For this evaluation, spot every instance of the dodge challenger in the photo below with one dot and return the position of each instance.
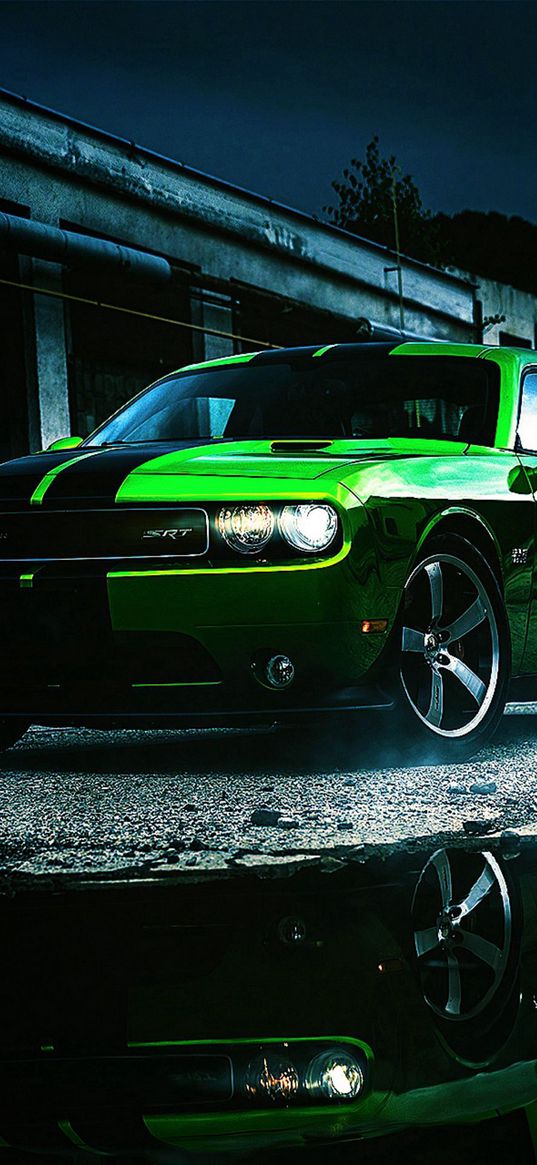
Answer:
(281, 535)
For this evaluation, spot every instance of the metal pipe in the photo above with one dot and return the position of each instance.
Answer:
(42, 241)
(369, 331)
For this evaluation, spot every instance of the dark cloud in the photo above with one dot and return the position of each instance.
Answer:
(278, 96)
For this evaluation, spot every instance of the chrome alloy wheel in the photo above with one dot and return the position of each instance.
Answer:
(450, 648)
(462, 940)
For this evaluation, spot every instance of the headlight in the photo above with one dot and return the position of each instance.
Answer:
(335, 1075)
(271, 1078)
(309, 527)
(246, 528)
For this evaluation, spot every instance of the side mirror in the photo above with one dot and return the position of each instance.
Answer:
(64, 443)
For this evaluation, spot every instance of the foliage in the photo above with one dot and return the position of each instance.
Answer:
(366, 206)
(489, 244)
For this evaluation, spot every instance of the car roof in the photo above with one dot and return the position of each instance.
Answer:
(334, 352)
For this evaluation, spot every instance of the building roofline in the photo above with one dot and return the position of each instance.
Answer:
(220, 183)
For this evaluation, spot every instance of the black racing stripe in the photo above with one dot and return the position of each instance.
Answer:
(19, 479)
(97, 478)
(341, 353)
(284, 355)
(337, 352)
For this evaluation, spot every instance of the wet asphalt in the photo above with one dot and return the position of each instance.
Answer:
(84, 805)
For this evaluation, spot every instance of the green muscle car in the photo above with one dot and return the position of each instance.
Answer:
(275, 535)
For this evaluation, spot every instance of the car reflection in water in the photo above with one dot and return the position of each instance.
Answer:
(346, 1001)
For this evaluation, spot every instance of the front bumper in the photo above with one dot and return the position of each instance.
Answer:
(191, 1094)
(188, 645)
(188, 1098)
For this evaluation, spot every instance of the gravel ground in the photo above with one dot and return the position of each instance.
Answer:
(80, 807)
(103, 804)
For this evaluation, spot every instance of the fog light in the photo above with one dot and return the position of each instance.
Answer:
(271, 1078)
(279, 671)
(292, 931)
(335, 1075)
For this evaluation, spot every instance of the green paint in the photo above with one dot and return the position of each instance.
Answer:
(246, 470)
(26, 580)
(221, 362)
(326, 348)
(40, 491)
(242, 1041)
(64, 443)
(68, 1131)
(244, 569)
(388, 494)
(177, 1128)
(391, 495)
(511, 364)
(438, 348)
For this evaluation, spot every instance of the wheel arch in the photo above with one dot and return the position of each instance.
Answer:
(465, 523)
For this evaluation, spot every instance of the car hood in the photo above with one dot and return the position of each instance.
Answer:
(144, 472)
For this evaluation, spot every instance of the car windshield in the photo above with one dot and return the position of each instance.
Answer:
(357, 396)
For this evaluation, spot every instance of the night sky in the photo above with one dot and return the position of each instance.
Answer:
(279, 96)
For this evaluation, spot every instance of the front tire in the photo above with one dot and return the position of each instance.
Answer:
(454, 652)
(466, 918)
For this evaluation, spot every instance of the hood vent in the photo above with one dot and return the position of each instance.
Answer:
(299, 446)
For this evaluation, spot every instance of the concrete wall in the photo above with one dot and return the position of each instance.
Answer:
(229, 240)
(98, 182)
(518, 307)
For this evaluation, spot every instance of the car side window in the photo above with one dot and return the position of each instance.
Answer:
(527, 423)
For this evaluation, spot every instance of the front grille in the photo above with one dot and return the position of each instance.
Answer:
(60, 636)
(46, 535)
(135, 1082)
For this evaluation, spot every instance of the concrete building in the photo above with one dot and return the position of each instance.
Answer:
(118, 264)
(509, 315)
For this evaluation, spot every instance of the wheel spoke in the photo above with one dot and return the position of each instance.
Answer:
(481, 887)
(436, 584)
(436, 634)
(441, 864)
(467, 677)
(426, 940)
(435, 710)
(480, 947)
(467, 622)
(453, 1005)
(413, 640)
